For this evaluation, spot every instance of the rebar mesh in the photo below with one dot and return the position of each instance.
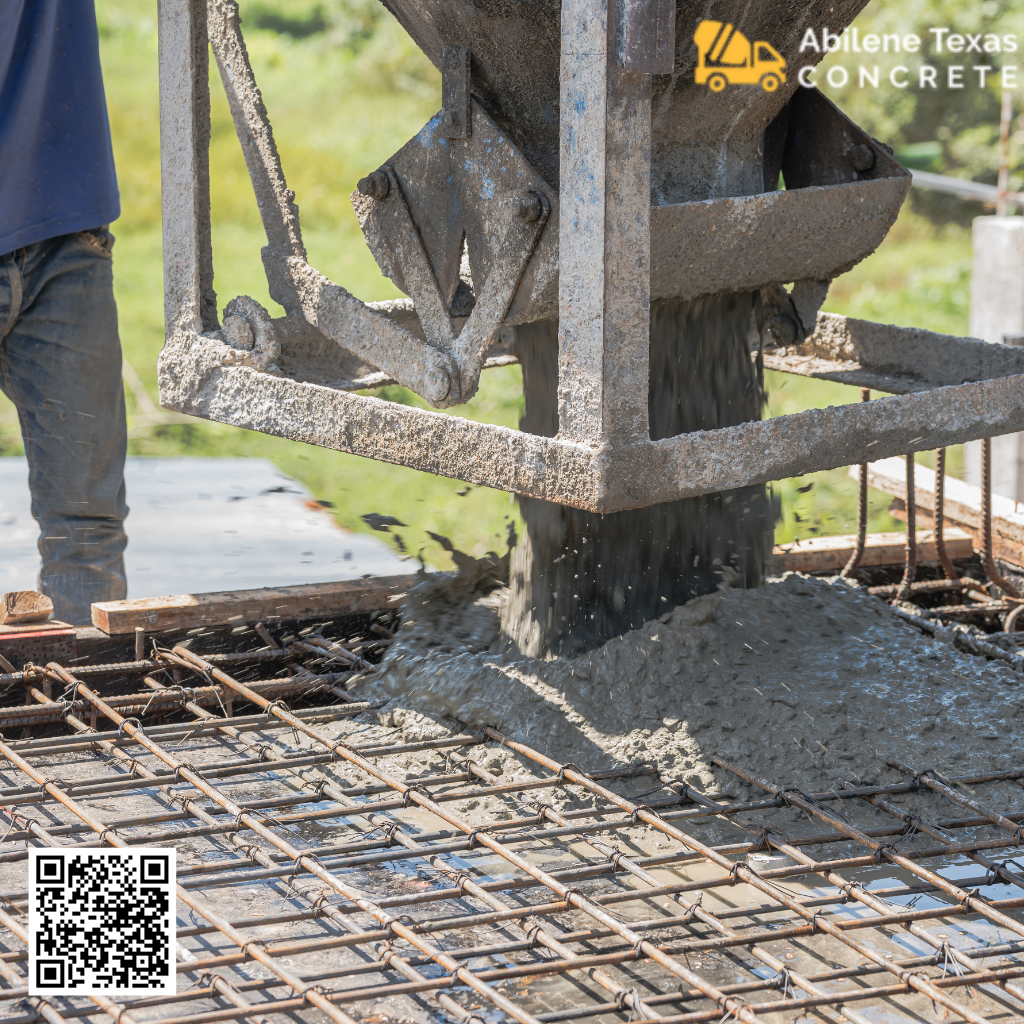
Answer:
(329, 866)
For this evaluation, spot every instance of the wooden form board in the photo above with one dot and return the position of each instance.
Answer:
(228, 607)
(822, 554)
(962, 505)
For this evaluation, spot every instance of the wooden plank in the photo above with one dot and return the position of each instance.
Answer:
(18, 607)
(962, 505)
(235, 607)
(823, 554)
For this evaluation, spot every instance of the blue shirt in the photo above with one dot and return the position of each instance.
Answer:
(56, 162)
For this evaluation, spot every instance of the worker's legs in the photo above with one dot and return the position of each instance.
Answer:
(60, 363)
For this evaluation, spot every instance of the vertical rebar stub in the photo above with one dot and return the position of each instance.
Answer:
(455, 106)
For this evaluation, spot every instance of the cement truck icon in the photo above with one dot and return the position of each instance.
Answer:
(727, 57)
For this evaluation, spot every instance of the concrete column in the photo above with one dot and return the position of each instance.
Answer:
(997, 316)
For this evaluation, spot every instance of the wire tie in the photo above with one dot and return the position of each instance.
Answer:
(880, 852)
(920, 775)
(615, 859)
(473, 836)
(814, 920)
(571, 892)
(276, 704)
(692, 908)
(629, 999)
(130, 721)
(783, 981)
(847, 888)
(319, 903)
(1018, 835)
(103, 834)
(308, 856)
(250, 850)
(405, 919)
(948, 960)
(738, 1001)
(407, 794)
(566, 767)
(972, 894)
(185, 766)
(634, 815)
(637, 951)
(153, 697)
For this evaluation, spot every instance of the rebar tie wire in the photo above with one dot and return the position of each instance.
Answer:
(784, 982)
(408, 792)
(184, 766)
(739, 1003)
(279, 703)
(949, 962)
(569, 766)
(694, 907)
(972, 894)
(134, 722)
(629, 999)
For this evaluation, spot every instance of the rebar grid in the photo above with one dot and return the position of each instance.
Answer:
(358, 872)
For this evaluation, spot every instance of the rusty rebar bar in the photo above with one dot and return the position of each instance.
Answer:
(573, 897)
(626, 874)
(988, 560)
(741, 871)
(910, 548)
(940, 501)
(862, 508)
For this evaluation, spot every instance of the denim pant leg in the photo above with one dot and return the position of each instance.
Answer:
(60, 364)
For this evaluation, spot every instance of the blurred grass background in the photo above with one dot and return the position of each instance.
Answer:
(345, 88)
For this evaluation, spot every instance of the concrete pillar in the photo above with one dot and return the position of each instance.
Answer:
(997, 316)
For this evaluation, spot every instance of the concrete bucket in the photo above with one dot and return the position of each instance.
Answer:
(605, 179)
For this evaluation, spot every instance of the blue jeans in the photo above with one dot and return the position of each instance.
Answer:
(60, 364)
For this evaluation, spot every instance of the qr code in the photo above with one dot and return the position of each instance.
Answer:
(101, 921)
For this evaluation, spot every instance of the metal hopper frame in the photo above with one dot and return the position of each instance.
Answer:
(594, 253)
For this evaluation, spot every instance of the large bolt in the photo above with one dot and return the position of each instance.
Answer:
(862, 157)
(530, 207)
(375, 185)
(436, 385)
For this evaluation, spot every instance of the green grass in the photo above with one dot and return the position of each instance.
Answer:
(339, 111)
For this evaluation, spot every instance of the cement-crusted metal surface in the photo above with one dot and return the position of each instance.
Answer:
(463, 190)
(898, 360)
(602, 460)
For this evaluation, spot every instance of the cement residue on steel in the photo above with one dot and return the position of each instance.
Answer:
(795, 680)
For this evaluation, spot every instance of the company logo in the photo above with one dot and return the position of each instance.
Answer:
(727, 57)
